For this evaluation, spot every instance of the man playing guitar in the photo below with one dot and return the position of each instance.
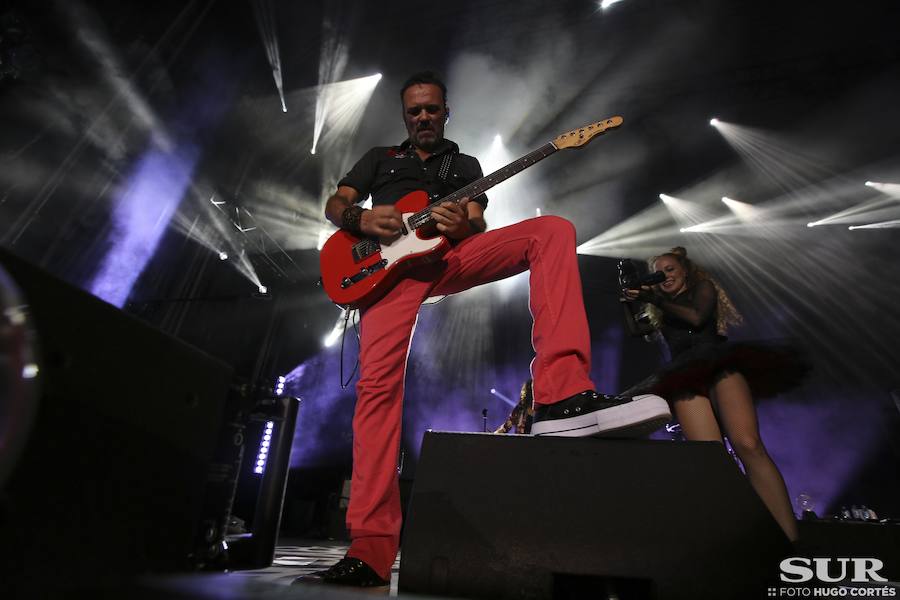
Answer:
(565, 401)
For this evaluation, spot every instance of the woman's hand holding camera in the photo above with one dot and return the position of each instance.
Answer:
(644, 294)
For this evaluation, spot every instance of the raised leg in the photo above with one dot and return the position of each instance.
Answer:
(560, 335)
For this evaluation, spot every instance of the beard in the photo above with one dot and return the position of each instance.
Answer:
(428, 141)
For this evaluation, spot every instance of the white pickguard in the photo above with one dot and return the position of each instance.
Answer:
(407, 245)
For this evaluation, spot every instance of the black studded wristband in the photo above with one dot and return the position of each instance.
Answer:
(350, 219)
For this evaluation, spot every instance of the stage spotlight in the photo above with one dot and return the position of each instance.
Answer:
(505, 399)
(265, 21)
(604, 4)
(513, 200)
(894, 224)
(263, 289)
(223, 256)
(891, 189)
(323, 237)
(345, 320)
(687, 214)
(714, 122)
(341, 104)
(331, 338)
(746, 213)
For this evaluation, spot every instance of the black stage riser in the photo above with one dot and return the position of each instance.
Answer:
(113, 476)
(525, 517)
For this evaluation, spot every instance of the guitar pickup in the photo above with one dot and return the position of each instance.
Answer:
(364, 249)
(363, 273)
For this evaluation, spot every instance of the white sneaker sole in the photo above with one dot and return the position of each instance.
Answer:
(642, 416)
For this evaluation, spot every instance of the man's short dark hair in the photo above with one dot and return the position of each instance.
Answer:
(423, 78)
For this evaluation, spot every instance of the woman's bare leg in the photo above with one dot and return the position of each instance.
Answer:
(738, 416)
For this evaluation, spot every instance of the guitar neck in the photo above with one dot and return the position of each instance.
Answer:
(476, 188)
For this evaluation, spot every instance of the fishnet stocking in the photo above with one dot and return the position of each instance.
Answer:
(738, 417)
(698, 422)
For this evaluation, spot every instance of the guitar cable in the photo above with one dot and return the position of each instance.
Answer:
(347, 314)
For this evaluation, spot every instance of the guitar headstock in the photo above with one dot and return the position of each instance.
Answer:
(581, 136)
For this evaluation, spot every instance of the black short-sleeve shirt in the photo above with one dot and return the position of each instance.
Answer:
(390, 172)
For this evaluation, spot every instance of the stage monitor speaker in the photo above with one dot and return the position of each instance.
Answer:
(833, 539)
(543, 517)
(262, 483)
(112, 476)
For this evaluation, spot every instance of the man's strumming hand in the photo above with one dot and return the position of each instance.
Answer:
(383, 222)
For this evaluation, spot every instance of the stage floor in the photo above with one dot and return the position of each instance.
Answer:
(294, 557)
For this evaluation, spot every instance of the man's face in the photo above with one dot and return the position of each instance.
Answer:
(425, 113)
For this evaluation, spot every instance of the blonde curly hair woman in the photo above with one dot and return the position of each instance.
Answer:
(710, 382)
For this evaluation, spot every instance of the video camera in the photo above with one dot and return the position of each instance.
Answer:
(633, 277)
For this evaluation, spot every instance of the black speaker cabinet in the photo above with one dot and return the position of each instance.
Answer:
(112, 475)
(832, 539)
(542, 517)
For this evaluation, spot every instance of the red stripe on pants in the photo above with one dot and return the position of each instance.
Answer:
(546, 247)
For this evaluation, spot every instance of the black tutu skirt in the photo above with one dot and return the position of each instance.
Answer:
(770, 368)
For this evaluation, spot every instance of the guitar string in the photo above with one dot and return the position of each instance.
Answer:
(423, 217)
(476, 188)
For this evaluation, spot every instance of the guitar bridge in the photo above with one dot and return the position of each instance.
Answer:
(364, 249)
(363, 273)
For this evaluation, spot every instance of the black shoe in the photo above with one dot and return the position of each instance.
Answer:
(590, 413)
(347, 571)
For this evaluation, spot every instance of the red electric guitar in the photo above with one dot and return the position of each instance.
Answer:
(358, 271)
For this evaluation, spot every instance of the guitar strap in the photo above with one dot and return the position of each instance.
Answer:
(443, 172)
(446, 163)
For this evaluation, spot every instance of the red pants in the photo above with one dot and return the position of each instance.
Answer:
(546, 246)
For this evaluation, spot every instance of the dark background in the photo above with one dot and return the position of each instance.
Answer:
(102, 101)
